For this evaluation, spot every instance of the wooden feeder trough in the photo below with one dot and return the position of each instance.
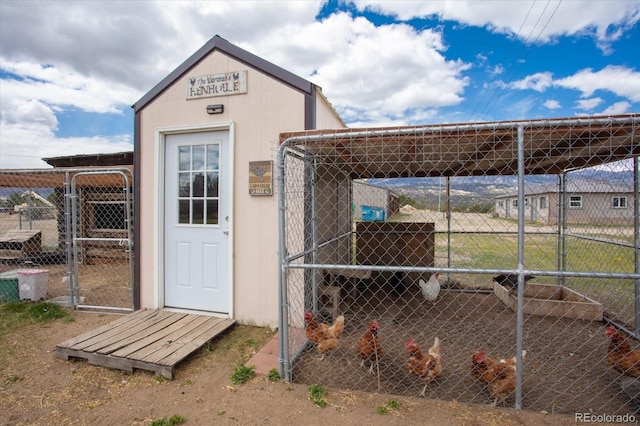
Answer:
(552, 300)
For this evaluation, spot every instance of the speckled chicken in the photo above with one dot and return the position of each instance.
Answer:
(427, 366)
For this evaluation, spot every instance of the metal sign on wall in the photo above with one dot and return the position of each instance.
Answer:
(260, 178)
(224, 84)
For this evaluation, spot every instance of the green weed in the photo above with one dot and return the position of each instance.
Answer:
(316, 395)
(172, 421)
(242, 373)
(391, 405)
(274, 375)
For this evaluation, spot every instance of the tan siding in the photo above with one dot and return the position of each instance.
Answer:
(326, 116)
(259, 116)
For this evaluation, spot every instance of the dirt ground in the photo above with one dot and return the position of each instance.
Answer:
(565, 367)
(39, 389)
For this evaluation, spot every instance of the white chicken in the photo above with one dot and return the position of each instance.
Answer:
(430, 289)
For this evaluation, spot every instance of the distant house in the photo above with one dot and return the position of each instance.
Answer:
(587, 202)
(370, 202)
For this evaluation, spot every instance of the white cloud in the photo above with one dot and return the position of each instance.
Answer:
(622, 81)
(538, 82)
(617, 108)
(64, 87)
(551, 104)
(588, 104)
(377, 71)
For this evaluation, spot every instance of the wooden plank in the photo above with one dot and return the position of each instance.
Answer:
(99, 340)
(185, 339)
(109, 361)
(98, 331)
(136, 334)
(189, 347)
(154, 340)
(156, 352)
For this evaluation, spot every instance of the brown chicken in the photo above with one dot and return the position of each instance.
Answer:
(368, 347)
(425, 366)
(324, 336)
(499, 376)
(620, 355)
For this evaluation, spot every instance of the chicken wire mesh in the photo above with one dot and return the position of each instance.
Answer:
(369, 217)
(74, 227)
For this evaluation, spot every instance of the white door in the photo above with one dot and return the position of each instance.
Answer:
(196, 229)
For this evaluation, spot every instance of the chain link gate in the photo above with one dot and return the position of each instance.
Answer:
(81, 224)
(359, 231)
(102, 240)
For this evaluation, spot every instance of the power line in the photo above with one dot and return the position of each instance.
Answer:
(497, 94)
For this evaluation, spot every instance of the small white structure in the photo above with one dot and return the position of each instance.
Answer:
(205, 142)
(370, 196)
(586, 201)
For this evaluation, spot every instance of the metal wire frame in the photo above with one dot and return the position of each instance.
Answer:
(296, 146)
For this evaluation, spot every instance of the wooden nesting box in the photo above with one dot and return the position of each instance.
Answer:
(552, 300)
(396, 243)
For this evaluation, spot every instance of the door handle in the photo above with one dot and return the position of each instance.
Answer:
(225, 232)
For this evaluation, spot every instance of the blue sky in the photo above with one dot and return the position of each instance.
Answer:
(70, 70)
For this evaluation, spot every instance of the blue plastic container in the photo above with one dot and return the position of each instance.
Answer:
(372, 213)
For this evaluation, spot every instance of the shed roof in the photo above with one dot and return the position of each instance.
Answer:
(92, 160)
(222, 45)
(56, 177)
(551, 146)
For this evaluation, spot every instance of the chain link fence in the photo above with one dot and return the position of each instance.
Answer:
(369, 215)
(73, 230)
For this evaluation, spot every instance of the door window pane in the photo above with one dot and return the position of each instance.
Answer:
(198, 184)
(198, 212)
(198, 157)
(184, 186)
(212, 185)
(213, 157)
(184, 158)
(183, 211)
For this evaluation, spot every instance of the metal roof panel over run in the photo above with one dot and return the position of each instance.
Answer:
(551, 146)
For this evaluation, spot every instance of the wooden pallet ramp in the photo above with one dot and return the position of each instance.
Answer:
(150, 339)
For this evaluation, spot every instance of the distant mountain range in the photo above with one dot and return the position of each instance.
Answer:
(472, 190)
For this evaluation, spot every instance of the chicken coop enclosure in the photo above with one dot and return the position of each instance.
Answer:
(85, 239)
(582, 269)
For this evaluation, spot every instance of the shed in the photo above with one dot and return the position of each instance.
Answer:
(205, 140)
(368, 197)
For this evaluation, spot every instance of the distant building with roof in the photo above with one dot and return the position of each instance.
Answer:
(587, 202)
